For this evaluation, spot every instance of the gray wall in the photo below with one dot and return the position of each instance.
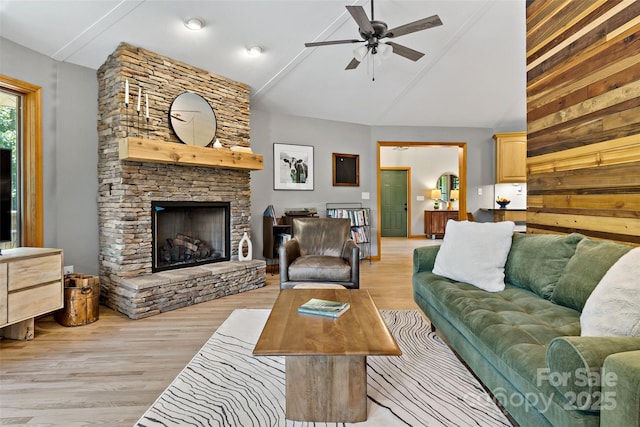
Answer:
(70, 156)
(69, 150)
(328, 137)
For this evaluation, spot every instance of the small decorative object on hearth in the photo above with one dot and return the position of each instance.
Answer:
(503, 202)
(241, 248)
(217, 144)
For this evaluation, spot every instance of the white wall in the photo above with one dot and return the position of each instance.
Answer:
(69, 150)
(480, 154)
(426, 164)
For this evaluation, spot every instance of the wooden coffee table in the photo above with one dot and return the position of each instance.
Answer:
(326, 358)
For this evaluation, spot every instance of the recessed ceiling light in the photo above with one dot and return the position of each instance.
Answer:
(254, 51)
(194, 23)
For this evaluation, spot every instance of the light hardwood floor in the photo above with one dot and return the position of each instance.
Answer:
(109, 372)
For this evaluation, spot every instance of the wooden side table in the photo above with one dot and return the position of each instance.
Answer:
(435, 222)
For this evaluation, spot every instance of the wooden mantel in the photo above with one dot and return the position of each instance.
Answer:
(147, 150)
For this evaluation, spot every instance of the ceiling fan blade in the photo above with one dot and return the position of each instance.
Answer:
(412, 27)
(326, 43)
(408, 53)
(360, 16)
(353, 64)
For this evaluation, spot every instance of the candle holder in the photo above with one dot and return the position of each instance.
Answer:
(138, 133)
(126, 118)
(148, 128)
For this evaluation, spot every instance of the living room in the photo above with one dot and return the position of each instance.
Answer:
(70, 156)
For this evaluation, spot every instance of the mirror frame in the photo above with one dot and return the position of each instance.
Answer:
(447, 182)
(196, 111)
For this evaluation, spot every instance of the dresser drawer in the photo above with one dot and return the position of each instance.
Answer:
(34, 271)
(34, 301)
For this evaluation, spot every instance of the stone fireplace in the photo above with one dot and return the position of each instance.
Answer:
(208, 201)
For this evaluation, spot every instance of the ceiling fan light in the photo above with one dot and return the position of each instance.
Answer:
(360, 52)
(385, 50)
(194, 24)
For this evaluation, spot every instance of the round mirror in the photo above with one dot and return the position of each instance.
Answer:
(446, 183)
(192, 119)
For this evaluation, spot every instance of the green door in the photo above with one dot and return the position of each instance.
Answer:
(393, 203)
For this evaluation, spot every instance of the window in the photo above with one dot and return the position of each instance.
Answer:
(29, 228)
(10, 138)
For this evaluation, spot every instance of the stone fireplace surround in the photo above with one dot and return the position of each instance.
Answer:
(127, 188)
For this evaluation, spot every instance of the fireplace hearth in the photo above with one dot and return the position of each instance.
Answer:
(186, 234)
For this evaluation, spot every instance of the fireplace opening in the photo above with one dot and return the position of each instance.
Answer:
(185, 234)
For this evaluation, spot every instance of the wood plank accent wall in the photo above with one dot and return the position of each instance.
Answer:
(583, 118)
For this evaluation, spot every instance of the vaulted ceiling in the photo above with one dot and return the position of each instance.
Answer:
(472, 75)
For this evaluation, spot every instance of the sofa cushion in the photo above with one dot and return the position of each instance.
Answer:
(475, 253)
(613, 308)
(584, 270)
(511, 328)
(320, 268)
(536, 262)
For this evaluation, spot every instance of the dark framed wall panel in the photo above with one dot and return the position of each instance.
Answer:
(346, 170)
(583, 119)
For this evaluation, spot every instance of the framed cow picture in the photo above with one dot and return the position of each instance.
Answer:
(292, 167)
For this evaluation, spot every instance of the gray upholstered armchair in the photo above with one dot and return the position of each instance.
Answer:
(320, 251)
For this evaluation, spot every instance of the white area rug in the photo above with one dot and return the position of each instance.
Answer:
(225, 385)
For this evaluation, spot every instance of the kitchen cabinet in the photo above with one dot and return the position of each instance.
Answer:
(511, 157)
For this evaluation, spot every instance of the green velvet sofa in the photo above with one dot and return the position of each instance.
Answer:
(524, 343)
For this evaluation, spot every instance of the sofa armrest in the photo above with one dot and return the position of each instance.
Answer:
(574, 367)
(351, 253)
(349, 250)
(287, 252)
(424, 258)
(625, 393)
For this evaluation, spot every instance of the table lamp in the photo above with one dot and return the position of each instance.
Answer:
(436, 195)
(454, 195)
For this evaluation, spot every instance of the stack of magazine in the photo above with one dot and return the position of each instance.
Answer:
(324, 307)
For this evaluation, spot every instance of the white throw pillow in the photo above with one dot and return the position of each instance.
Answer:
(613, 308)
(475, 253)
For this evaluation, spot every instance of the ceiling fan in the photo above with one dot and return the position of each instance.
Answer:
(372, 32)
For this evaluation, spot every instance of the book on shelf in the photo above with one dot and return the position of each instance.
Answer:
(359, 235)
(324, 307)
(359, 216)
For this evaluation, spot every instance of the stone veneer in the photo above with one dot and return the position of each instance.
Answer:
(127, 188)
